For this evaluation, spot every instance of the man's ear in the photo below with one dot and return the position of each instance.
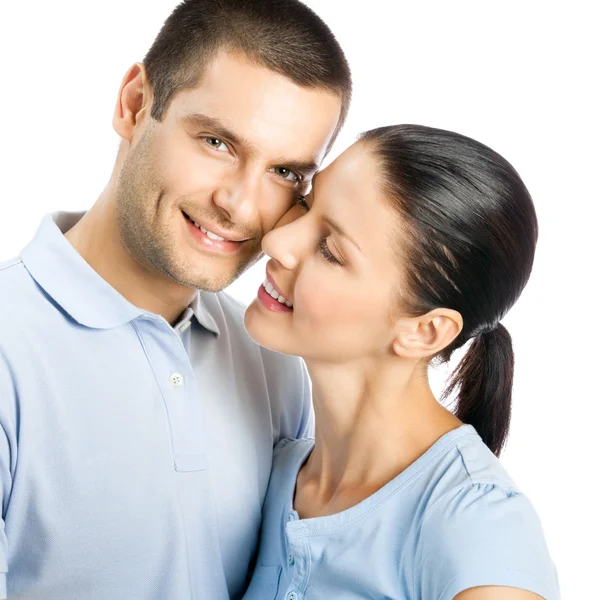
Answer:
(426, 335)
(133, 103)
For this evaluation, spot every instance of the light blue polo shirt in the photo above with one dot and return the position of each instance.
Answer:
(134, 456)
(451, 521)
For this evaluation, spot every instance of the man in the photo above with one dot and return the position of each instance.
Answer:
(137, 418)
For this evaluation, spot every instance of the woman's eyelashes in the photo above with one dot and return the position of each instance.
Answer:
(326, 252)
(323, 247)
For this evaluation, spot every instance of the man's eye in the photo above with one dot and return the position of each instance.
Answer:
(216, 143)
(286, 174)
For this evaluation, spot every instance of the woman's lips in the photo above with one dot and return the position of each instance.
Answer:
(271, 303)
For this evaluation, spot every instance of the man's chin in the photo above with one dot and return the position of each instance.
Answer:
(208, 282)
(209, 274)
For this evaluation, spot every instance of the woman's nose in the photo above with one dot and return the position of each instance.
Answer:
(283, 242)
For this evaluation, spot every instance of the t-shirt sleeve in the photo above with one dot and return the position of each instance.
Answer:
(481, 535)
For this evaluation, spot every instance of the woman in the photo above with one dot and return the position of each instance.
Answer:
(412, 243)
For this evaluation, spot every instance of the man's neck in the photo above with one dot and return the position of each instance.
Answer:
(96, 238)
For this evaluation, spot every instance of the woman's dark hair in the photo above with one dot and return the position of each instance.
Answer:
(470, 232)
(284, 36)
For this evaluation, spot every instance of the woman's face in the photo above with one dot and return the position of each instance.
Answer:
(336, 264)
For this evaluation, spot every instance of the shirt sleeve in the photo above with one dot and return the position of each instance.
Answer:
(290, 398)
(6, 398)
(482, 535)
(307, 422)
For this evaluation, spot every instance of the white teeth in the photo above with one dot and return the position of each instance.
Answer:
(275, 294)
(210, 234)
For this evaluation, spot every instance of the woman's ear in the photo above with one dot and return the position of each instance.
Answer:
(426, 335)
(133, 103)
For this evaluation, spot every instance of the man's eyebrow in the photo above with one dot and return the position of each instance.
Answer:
(218, 129)
(336, 227)
(305, 168)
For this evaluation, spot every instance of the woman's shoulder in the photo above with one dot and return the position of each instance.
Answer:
(476, 492)
(458, 462)
(480, 529)
(482, 466)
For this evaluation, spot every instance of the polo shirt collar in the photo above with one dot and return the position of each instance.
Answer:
(202, 314)
(74, 285)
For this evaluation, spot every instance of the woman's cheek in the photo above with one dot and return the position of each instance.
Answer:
(321, 304)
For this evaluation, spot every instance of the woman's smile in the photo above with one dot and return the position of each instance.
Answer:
(272, 299)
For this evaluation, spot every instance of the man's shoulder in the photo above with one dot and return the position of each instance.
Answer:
(228, 313)
(11, 262)
(284, 378)
(232, 308)
(10, 269)
(15, 304)
(16, 288)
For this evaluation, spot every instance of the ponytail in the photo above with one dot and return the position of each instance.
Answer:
(484, 379)
(467, 243)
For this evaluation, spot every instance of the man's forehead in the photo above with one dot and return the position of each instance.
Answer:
(263, 107)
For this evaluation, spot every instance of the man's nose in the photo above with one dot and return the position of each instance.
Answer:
(238, 197)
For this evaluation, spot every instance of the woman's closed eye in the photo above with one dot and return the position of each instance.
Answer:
(327, 254)
(323, 247)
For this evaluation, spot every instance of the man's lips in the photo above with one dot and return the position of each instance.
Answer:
(226, 236)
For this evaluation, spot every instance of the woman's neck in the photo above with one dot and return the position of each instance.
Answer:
(372, 421)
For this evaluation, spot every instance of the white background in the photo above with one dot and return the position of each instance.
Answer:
(519, 76)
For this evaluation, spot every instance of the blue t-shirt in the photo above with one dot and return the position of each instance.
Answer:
(451, 521)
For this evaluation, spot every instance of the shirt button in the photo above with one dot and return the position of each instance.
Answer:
(292, 596)
(291, 559)
(176, 379)
(184, 326)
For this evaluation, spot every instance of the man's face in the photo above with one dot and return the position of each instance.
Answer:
(228, 158)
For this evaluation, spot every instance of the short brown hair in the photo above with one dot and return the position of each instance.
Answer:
(284, 36)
